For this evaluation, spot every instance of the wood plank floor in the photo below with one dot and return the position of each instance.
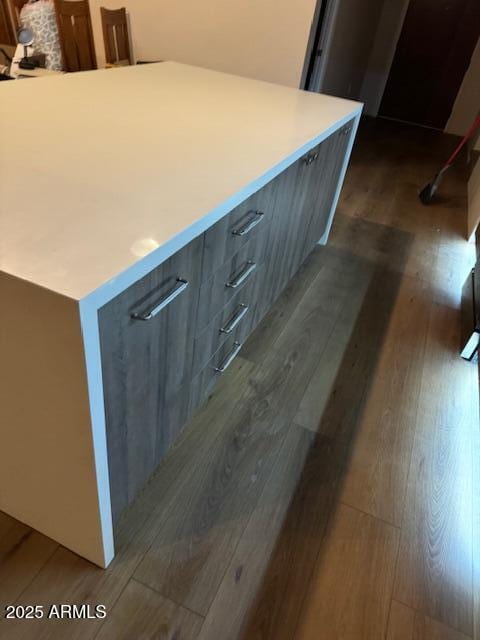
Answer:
(330, 487)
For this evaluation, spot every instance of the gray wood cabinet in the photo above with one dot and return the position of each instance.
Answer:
(304, 196)
(320, 192)
(231, 233)
(167, 339)
(147, 338)
(230, 278)
(239, 315)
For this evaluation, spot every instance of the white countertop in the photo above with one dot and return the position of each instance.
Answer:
(100, 169)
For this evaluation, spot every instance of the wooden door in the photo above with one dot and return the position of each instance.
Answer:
(432, 56)
(6, 29)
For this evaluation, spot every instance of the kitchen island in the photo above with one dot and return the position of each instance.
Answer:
(149, 218)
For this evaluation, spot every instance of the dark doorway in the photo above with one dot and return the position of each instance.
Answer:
(313, 60)
(433, 53)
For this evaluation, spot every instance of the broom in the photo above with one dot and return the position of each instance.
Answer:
(428, 192)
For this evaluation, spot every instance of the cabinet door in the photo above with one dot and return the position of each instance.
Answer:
(295, 195)
(147, 340)
(304, 195)
(287, 219)
(325, 174)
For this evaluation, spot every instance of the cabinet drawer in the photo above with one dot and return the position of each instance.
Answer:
(240, 226)
(205, 381)
(230, 278)
(238, 317)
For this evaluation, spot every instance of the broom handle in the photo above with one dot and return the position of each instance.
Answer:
(467, 137)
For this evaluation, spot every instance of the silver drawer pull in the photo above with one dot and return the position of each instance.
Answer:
(242, 276)
(251, 224)
(164, 302)
(311, 158)
(229, 359)
(235, 320)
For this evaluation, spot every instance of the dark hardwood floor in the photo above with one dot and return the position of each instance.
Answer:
(330, 488)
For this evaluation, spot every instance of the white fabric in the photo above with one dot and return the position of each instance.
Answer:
(41, 19)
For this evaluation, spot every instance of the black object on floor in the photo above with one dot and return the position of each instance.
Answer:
(471, 316)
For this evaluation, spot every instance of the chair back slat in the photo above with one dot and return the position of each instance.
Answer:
(115, 35)
(16, 6)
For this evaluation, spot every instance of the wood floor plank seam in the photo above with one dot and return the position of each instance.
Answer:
(404, 502)
(310, 580)
(393, 582)
(303, 599)
(310, 615)
(113, 605)
(371, 515)
(331, 333)
(248, 520)
(423, 613)
(177, 604)
(410, 455)
(415, 417)
(246, 403)
(392, 586)
(305, 295)
(439, 438)
(326, 530)
(143, 613)
(287, 626)
(29, 583)
(426, 612)
(244, 564)
(154, 538)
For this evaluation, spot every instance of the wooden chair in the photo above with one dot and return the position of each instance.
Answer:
(6, 23)
(76, 35)
(15, 8)
(115, 36)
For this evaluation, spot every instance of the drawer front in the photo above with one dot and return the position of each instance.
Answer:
(236, 229)
(229, 279)
(147, 339)
(238, 317)
(206, 380)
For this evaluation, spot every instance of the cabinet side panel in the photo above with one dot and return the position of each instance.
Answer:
(47, 468)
